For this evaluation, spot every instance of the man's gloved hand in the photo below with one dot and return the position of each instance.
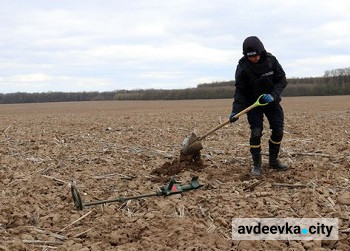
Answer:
(232, 117)
(267, 98)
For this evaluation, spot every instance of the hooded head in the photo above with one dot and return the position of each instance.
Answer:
(253, 46)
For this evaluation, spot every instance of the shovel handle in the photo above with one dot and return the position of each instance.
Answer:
(257, 103)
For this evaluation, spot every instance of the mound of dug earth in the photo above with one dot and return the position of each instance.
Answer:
(175, 167)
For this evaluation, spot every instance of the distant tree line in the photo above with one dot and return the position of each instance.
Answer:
(24, 97)
(333, 82)
(202, 92)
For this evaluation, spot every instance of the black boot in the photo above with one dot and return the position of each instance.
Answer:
(273, 160)
(256, 154)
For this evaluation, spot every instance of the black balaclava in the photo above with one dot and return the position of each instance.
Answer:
(253, 46)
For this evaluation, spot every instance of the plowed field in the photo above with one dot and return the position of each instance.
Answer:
(113, 149)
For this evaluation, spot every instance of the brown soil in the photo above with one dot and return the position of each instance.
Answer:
(175, 167)
(113, 149)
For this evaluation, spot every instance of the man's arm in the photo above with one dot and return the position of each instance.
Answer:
(279, 82)
(240, 100)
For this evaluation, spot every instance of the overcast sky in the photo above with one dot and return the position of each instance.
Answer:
(106, 45)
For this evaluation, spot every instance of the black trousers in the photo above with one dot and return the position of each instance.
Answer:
(275, 116)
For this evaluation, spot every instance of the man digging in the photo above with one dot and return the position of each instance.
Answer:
(259, 72)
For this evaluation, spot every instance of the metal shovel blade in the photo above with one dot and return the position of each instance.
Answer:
(191, 145)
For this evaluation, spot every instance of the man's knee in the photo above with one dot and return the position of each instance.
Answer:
(255, 136)
(277, 135)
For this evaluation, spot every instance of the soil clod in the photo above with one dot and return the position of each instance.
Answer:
(176, 166)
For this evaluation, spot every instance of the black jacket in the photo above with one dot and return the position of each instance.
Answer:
(252, 80)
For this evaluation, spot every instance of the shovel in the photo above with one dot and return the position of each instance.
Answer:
(192, 144)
